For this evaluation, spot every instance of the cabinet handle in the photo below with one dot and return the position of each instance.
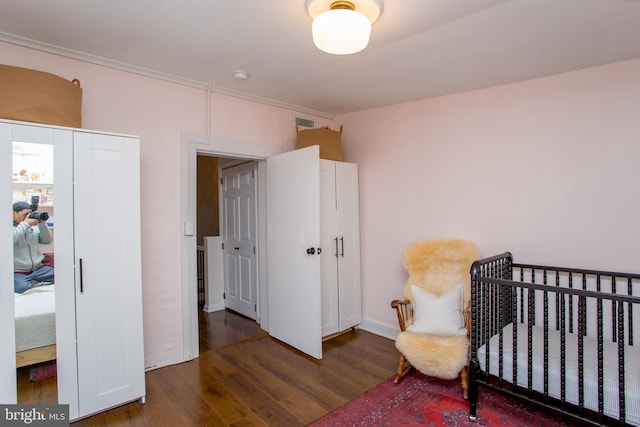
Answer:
(342, 243)
(312, 251)
(80, 273)
(336, 240)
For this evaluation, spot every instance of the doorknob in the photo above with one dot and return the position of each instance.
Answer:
(312, 251)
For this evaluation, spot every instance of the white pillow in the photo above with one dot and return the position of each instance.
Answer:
(437, 315)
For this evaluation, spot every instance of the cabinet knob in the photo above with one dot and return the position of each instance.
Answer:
(312, 251)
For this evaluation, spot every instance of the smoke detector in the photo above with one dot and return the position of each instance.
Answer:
(240, 75)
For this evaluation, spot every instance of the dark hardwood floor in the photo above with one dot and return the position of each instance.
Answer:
(243, 377)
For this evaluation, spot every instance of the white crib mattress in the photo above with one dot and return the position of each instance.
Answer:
(35, 318)
(611, 403)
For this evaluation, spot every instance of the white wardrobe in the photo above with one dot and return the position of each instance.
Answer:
(340, 255)
(98, 286)
(313, 248)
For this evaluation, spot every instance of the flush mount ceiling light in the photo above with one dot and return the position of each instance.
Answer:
(342, 27)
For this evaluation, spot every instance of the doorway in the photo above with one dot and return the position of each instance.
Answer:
(226, 231)
(192, 146)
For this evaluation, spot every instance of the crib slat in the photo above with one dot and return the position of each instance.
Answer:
(621, 365)
(614, 323)
(581, 333)
(557, 300)
(563, 348)
(531, 308)
(500, 347)
(489, 327)
(514, 353)
(546, 338)
(600, 329)
(571, 304)
(630, 309)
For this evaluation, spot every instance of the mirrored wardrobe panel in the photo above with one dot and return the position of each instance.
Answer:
(36, 253)
(35, 317)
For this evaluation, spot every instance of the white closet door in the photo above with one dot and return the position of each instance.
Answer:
(108, 289)
(329, 256)
(62, 140)
(350, 294)
(293, 227)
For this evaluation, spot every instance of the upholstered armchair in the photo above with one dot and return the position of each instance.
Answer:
(434, 317)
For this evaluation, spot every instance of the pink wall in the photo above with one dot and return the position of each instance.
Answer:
(158, 111)
(548, 169)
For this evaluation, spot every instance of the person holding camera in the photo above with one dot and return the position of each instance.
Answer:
(29, 230)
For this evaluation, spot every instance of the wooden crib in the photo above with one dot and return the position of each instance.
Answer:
(561, 338)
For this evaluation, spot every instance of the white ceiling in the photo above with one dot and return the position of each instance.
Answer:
(418, 48)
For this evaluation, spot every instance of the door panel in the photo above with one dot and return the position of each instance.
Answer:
(62, 141)
(239, 234)
(329, 256)
(108, 292)
(348, 228)
(293, 227)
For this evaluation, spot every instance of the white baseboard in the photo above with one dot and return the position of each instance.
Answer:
(212, 308)
(164, 364)
(384, 330)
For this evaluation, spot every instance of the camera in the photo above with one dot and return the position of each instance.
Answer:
(40, 216)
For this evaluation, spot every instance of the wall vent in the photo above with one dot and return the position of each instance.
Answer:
(304, 123)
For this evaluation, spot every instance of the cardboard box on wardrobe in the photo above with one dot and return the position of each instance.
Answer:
(330, 141)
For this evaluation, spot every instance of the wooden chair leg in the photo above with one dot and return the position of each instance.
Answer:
(403, 369)
(465, 383)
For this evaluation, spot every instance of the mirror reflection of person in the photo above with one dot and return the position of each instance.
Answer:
(28, 233)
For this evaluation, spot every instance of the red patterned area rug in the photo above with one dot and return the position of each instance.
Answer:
(420, 400)
(43, 371)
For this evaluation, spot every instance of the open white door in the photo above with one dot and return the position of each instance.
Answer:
(293, 238)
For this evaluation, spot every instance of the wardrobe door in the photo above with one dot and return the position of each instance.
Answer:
(108, 287)
(21, 139)
(329, 244)
(7, 323)
(348, 232)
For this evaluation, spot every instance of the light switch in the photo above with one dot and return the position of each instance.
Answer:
(188, 229)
